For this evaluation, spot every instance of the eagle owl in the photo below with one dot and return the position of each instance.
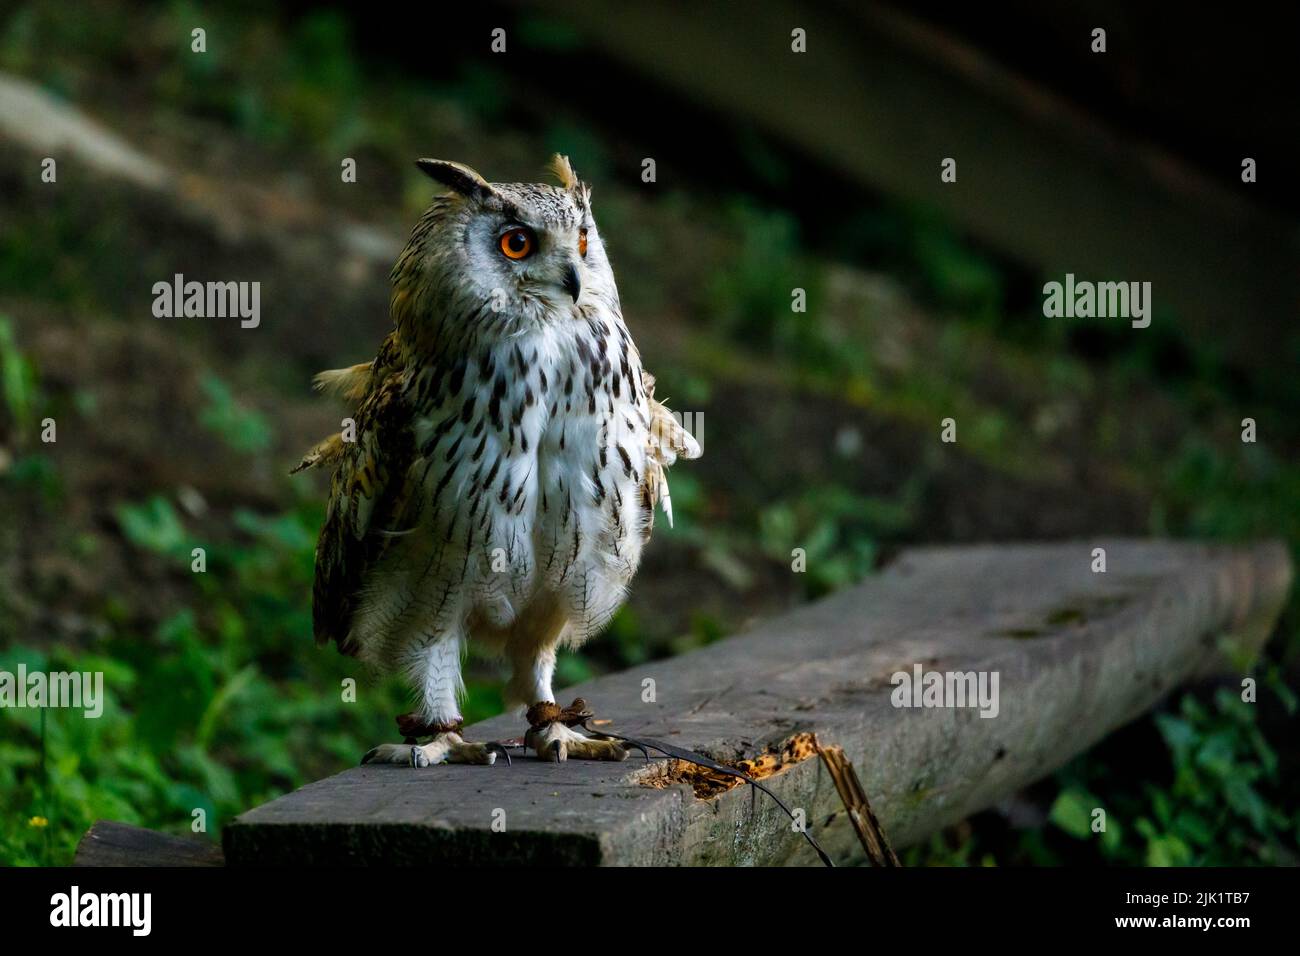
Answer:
(507, 457)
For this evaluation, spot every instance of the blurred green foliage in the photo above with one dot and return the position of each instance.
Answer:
(837, 530)
(241, 429)
(220, 708)
(17, 378)
(750, 299)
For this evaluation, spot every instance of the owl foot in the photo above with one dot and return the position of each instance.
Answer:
(552, 735)
(557, 742)
(443, 748)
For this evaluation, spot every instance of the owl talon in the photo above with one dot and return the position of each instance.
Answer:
(625, 742)
(641, 747)
(499, 748)
(555, 741)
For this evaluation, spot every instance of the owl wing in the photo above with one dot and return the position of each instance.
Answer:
(352, 384)
(667, 441)
(368, 496)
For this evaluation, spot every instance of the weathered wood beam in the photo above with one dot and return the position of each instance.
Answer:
(881, 99)
(109, 843)
(1077, 654)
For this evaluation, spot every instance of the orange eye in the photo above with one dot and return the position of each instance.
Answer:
(518, 243)
(582, 243)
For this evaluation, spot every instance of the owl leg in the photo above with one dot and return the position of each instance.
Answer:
(532, 670)
(435, 671)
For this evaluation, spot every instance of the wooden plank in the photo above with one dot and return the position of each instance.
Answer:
(108, 843)
(1077, 653)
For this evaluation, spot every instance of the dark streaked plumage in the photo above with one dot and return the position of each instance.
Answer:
(509, 452)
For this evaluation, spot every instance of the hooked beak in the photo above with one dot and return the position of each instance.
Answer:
(571, 283)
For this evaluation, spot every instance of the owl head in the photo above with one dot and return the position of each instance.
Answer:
(491, 259)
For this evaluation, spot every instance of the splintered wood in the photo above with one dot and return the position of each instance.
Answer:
(709, 783)
(865, 825)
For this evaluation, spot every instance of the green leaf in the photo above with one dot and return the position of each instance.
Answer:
(154, 526)
(1168, 850)
(1243, 799)
(1072, 812)
(241, 429)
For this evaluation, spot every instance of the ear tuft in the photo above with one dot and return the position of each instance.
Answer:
(564, 171)
(455, 176)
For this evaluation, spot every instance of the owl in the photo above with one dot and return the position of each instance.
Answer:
(507, 458)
